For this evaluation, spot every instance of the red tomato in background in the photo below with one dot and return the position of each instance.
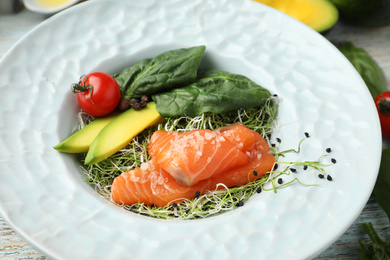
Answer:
(382, 102)
(98, 93)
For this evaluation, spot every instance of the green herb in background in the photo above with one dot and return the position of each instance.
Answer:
(364, 13)
(367, 67)
(378, 249)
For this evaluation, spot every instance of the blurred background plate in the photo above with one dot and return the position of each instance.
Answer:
(48, 6)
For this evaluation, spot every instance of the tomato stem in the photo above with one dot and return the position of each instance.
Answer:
(384, 106)
(82, 87)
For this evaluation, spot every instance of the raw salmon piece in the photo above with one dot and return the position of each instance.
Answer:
(151, 184)
(195, 155)
(254, 145)
(241, 136)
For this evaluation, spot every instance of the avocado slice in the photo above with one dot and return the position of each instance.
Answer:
(80, 141)
(120, 131)
(320, 15)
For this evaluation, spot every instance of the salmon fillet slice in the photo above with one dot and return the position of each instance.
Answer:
(151, 184)
(195, 155)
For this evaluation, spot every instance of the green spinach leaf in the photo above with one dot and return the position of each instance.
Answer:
(367, 67)
(165, 71)
(215, 91)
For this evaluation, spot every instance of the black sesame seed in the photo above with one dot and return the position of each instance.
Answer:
(329, 178)
(273, 145)
(333, 160)
(274, 95)
(278, 140)
(240, 203)
(197, 194)
(307, 134)
(258, 190)
(174, 205)
(280, 180)
(328, 150)
(255, 173)
(305, 167)
(321, 176)
(275, 166)
(293, 169)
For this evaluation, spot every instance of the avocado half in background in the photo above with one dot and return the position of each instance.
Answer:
(364, 13)
(320, 15)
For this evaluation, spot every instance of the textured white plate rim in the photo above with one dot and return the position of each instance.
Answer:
(377, 162)
(47, 250)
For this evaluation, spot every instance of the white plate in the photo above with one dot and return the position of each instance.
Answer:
(42, 194)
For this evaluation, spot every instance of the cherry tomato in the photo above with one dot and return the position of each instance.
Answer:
(98, 93)
(382, 102)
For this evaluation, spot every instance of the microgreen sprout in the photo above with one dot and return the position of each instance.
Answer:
(275, 175)
(223, 199)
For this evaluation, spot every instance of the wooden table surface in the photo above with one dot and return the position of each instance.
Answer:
(375, 41)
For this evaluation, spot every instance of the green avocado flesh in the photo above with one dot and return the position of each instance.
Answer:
(320, 15)
(120, 131)
(80, 141)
